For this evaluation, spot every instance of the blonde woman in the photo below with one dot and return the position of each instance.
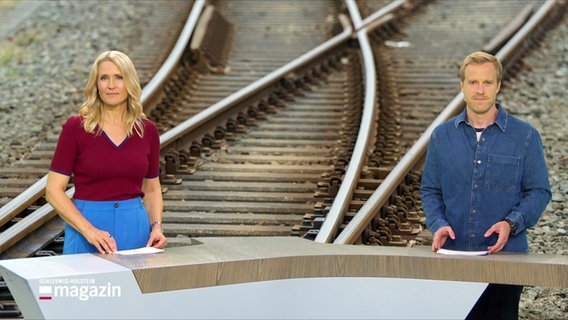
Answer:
(112, 151)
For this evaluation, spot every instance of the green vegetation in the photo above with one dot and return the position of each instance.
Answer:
(10, 52)
(8, 4)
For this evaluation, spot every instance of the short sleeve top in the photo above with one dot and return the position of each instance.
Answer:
(103, 171)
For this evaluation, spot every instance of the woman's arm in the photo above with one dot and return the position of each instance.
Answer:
(55, 195)
(154, 205)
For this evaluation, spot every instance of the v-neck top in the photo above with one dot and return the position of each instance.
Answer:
(102, 170)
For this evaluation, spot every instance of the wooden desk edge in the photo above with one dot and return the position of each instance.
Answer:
(224, 261)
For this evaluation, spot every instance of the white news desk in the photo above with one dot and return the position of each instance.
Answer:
(269, 278)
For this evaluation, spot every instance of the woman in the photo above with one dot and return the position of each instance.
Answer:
(113, 153)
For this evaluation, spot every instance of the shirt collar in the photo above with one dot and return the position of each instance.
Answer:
(500, 121)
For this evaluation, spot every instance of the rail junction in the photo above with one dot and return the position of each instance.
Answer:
(317, 136)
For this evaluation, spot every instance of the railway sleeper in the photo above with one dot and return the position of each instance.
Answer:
(9, 310)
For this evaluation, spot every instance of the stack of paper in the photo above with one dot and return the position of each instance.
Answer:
(461, 253)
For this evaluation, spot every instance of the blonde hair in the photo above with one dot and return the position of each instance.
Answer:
(92, 109)
(480, 57)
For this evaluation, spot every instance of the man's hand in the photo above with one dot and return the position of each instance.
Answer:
(503, 229)
(441, 236)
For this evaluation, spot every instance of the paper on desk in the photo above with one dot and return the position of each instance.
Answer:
(461, 253)
(139, 251)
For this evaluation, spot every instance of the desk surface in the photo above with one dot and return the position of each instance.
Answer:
(223, 261)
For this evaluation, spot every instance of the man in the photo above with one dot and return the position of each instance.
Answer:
(485, 180)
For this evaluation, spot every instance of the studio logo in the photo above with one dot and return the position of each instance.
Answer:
(76, 288)
(45, 292)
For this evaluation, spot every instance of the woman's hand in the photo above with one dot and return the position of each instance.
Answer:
(157, 238)
(102, 240)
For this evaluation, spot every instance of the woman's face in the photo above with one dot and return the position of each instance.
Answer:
(110, 84)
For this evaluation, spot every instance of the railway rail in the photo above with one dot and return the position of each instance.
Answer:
(311, 122)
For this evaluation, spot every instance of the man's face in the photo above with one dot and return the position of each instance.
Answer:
(480, 87)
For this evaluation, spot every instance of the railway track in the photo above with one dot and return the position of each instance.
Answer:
(276, 156)
(241, 188)
(277, 176)
(278, 162)
(419, 76)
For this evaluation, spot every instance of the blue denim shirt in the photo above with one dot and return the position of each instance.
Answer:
(471, 185)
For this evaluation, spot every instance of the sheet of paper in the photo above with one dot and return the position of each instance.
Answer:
(461, 253)
(139, 251)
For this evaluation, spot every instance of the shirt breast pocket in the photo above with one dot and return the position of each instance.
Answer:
(503, 172)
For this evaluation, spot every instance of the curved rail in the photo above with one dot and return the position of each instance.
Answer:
(16, 232)
(188, 129)
(508, 55)
(366, 132)
(155, 86)
(191, 129)
(202, 119)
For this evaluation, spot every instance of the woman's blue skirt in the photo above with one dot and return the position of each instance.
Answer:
(126, 220)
